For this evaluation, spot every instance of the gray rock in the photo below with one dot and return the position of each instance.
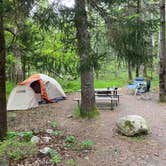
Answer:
(85, 151)
(45, 150)
(46, 139)
(49, 131)
(131, 125)
(35, 139)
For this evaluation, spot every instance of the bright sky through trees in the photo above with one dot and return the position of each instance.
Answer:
(66, 3)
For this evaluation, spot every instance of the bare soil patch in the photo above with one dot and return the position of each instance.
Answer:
(110, 148)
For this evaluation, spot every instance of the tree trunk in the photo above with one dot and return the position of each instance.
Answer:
(18, 65)
(137, 71)
(24, 68)
(3, 112)
(162, 75)
(97, 74)
(83, 39)
(129, 71)
(144, 71)
(138, 12)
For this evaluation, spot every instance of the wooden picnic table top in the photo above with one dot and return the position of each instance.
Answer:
(106, 90)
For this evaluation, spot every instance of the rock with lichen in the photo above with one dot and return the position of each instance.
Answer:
(132, 125)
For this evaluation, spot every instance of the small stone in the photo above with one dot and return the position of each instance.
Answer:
(46, 139)
(156, 154)
(45, 150)
(87, 158)
(35, 139)
(85, 151)
(36, 131)
(49, 131)
(69, 116)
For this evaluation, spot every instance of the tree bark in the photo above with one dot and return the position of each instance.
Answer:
(3, 112)
(138, 12)
(137, 70)
(83, 41)
(144, 71)
(18, 64)
(129, 71)
(162, 75)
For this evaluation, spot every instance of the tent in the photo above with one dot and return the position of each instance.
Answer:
(35, 90)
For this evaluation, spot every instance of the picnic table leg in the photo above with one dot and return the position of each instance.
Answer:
(112, 105)
(78, 102)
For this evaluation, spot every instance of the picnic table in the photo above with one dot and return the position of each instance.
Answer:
(105, 95)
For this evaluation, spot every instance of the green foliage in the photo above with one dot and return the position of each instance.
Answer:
(26, 136)
(9, 87)
(70, 86)
(53, 124)
(71, 139)
(71, 162)
(57, 132)
(87, 144)
(16, 149)
(55, 156)
(88, 114)
(77, 112)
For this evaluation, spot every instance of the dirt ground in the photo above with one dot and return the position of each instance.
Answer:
(110, 148)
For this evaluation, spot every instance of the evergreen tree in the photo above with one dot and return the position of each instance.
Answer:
(3, 112)
(162, 75)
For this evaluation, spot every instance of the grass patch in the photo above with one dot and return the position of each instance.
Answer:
(106, 79)
(78, 113)
(16, 150)
(55, 156)
(86, 144)
(9, 87)
(70, 86)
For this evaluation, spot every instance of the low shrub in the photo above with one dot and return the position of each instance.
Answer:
(53, 124)
(71, 162)
(26, 135)
(55, 156)
(16, 150)
(57, 133)
(86, 144)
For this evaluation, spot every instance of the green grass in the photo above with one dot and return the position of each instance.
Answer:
(107, 80)
(113, 81)
(9, 87)
(70, 86)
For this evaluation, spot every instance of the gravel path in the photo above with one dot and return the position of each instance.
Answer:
(110, 149)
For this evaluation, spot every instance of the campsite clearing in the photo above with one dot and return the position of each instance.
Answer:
(110, 149)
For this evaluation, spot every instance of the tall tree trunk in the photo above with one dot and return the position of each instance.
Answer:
(162, 75)
(83, 39)
(137, 70)
(18, 65)
(24, 68)
(138, 12)
(97, 74)
(3, 112)
(144, 71)
(129, 71)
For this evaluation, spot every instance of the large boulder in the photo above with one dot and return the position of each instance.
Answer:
(132, 125)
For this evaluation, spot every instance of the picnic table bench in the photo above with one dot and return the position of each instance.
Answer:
(108, 95)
